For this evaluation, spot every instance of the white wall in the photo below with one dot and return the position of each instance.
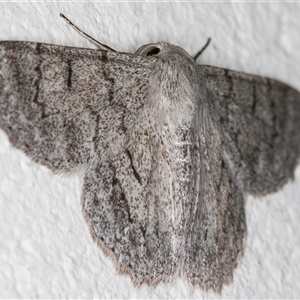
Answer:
(46, 250)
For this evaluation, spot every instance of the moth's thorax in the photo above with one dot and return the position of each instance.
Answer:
(174, 86)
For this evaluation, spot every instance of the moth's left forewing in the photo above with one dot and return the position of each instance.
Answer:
(66, 106)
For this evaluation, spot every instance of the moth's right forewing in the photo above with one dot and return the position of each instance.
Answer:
(216, 226)
(258, 120)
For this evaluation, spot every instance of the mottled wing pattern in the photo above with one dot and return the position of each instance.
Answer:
(69, 107)
(128, 205)
(217, 227)
(258, 120)
(166, 160)
(66, 106)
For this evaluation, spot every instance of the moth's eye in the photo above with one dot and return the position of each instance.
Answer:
(153, 51)
(148, 50)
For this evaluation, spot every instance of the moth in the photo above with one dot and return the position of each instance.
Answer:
(169, 149)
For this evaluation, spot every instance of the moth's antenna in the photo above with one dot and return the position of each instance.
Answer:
(203, 48)
(101, 46)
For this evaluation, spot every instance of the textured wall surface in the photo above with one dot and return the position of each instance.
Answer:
(46, 250)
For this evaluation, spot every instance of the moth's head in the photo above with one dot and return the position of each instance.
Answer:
(164, 51)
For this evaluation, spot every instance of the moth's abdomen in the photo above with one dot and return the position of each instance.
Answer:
(182, 181)
(182, 147)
